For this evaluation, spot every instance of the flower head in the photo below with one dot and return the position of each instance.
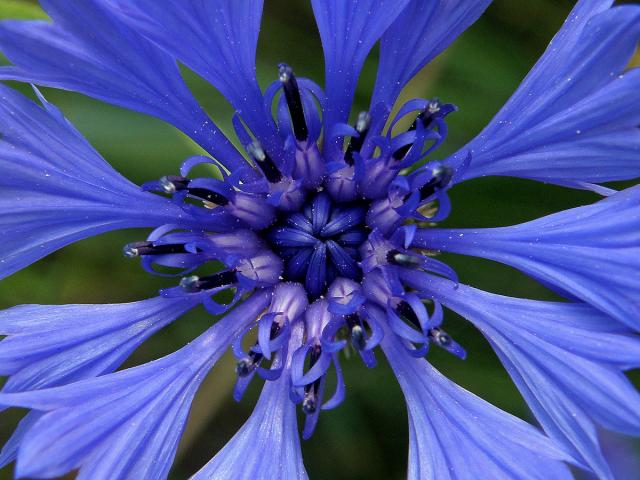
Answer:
(323, 232)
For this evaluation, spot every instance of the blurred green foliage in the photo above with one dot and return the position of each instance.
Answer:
(366, 438)
(21, 9)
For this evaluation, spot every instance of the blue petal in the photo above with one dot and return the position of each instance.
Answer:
(574, 119)
(89, 50)
(51, 345)
(591, 253)
(57, 189)
(218, 40)
(10, 449)
(566, 360)
(125, 424)
(343, 220)
(316, 279)
(349, 29)
(421, 32)
(292, 237)
(345, 265)
(456, 435)
(267, 446)
(320, 211)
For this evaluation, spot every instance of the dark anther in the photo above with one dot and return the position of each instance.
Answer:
(208, 196)
(309, 404)
(404, 310)
(357, 337)
(426, 117)
(248, 364)
(441, 178)
(136, 249)
(275, 329)
(197, 284)
(403, 259)
(294, 101)
(265, 163)
(171, 184)
(244, 367)
(357, 332)
(440, 337)
(315, 355)
(355, 144)
(400, 153)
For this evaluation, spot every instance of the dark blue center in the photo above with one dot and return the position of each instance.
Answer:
(321, 242)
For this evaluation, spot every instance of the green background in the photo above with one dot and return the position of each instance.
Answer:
(366, 438)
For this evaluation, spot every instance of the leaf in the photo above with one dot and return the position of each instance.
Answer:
(21, 9)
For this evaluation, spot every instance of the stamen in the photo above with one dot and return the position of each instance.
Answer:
(445, 341)
(194, 283)
(440, 337)
(441, 178)
(355, 144)
(274, 330)
(171, 184)
(309, 403)
(294, 102)
(136, 249)
(265, 163)
(404, 310)
(426, 118)
(357, 332)
(404, 260)
(434, 105)
(248, 364)
(400, 153)
(208, 196)
(190, 284)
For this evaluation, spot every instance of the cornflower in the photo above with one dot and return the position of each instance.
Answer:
(324, 229)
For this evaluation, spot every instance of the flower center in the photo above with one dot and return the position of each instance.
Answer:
(320, 243)
(325, 220)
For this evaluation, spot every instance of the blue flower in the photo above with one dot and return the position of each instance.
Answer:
(324, 227)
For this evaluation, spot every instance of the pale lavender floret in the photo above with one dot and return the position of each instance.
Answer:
(308, 387)
(288, 304)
